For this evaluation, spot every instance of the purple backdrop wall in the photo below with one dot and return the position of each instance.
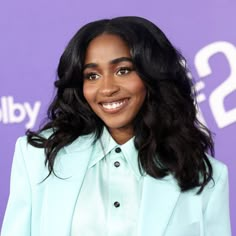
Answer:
(34, 34)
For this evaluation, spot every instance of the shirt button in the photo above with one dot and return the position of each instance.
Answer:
(116, 204)
(118, 150)
(116, 163)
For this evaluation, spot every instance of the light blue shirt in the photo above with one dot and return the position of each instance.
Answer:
(109, 199)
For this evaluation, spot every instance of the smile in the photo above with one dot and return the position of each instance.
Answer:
(114, 106)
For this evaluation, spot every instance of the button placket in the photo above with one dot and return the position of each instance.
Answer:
(117, 164)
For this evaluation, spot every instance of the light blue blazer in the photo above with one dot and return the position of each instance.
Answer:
(46, 208)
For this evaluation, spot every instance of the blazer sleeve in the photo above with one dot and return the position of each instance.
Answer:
(17, 219)
(217, 217)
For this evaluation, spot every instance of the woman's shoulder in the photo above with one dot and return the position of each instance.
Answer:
(218, 185)
(82, 141)
(33, 158)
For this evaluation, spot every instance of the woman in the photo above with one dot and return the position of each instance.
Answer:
(122, 152)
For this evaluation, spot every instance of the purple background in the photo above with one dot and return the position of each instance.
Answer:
(34, 34)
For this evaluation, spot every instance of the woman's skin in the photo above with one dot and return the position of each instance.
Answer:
(112, 87)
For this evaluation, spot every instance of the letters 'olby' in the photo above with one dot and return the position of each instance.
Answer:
(11, 112)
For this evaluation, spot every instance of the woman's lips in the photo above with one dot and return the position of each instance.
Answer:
(114, 106)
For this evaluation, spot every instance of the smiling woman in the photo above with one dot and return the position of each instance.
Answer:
(122, 152)
(112, 87)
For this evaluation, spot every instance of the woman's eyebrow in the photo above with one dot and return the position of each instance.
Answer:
(120, 59)
(114, 61)
(90, 65)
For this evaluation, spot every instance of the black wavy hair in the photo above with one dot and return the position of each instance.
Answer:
(168, 136)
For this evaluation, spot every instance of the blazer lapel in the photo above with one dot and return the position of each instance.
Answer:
(61, 193)
(158, 202)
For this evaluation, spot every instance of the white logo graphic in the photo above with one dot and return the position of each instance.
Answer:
(11, 112)
(216, 99)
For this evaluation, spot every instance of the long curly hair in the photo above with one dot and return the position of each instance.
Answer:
(168, 136)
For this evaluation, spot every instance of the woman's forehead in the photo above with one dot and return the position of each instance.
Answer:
(105, 48)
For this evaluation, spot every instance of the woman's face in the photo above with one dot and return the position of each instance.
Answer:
(112, 87)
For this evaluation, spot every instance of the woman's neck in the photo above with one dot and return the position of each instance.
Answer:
(121, 135)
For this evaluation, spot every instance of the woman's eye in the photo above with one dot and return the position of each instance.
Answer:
(124, 71)
(91, 76)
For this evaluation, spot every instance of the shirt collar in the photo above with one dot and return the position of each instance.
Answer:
(106, 143)
(102, 147)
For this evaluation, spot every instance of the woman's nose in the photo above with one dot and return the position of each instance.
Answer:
(109, 87)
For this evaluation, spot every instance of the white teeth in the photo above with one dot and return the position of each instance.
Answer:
(112, 105)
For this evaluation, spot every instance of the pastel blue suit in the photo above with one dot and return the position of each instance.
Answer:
(46, 209)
